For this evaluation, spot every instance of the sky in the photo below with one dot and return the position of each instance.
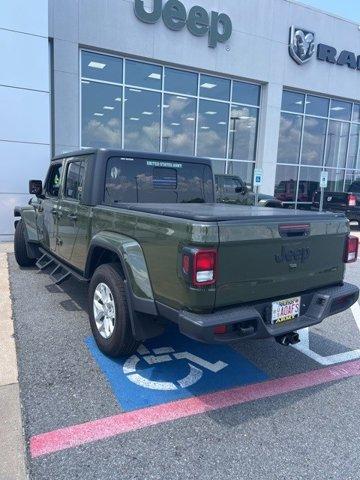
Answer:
(344, 8)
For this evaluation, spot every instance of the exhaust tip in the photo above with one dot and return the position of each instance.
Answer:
(291, 338)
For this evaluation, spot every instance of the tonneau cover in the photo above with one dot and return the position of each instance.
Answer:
(215, 212)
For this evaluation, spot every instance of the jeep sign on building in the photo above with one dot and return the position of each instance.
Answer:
(262, 84)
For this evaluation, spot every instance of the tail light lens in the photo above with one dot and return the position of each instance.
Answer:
(220, 330)
(351, 249)
(199, 266)
(352, 200)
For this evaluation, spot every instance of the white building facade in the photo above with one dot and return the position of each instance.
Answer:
(270, 84)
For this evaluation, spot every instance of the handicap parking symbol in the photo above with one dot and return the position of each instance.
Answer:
(173, 367)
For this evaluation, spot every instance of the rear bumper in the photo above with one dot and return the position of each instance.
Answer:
(253, 321)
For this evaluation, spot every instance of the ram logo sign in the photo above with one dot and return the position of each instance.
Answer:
(302, 45)
(302, 48)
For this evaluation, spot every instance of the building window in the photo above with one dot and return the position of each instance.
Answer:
(179, 81)
(101, 114)
(213, 129)
(142, 120)
(316, 133)
(243, 130)
(313, 141)
(148, 107)
(179, 124)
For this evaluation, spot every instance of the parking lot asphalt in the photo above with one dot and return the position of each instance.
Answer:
(306, 432)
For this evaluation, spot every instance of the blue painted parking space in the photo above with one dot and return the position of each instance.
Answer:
(173, 367)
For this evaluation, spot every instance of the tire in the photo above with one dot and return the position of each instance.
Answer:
(21, 254)
(120, 340)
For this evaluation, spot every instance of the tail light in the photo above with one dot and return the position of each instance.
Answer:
(220, 330)
(352, 200)
(199, 266)
(351, 249)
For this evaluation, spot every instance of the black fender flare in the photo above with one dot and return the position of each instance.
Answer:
(143, 311)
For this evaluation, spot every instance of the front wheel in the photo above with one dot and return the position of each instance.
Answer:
(109, 313)
(20, 250)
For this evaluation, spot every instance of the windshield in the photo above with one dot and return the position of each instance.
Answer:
(136, 180)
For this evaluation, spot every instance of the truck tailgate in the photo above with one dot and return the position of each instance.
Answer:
(269, 257)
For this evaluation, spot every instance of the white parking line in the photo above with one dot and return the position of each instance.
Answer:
(304, 345)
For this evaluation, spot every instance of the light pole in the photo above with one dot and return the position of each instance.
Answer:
(233, 131)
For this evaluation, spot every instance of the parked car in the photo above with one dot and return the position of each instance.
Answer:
(348, 202)
(232, 189)
(285, 191)
(146, 234)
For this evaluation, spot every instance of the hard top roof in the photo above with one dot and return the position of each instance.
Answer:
(105, 153)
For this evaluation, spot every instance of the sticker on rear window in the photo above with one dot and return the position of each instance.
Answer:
(151, 163)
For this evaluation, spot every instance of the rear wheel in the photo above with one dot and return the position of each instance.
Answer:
(21, 254)
(109, 313)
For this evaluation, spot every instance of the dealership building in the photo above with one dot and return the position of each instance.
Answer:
(265, 84)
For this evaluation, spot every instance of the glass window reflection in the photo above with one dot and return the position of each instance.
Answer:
(179, 124)
(102, 67)
(350, 178)
(243, 129)
(213, 129)
(354, 147)
(337, 142)
(356, 112)
(214, 87)
(181, 82)
(243, 170)
(289, 138)
(134, 122)
(219, 167)
(101, 115)
(286, 183)
(143, 74)
(142, 120)
(293, 102)
(335, 180)
(308, 183)
(314, 141)
(246, 93)
(340, 110)
(318, 106)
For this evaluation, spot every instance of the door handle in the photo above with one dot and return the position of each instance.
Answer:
(72, 216)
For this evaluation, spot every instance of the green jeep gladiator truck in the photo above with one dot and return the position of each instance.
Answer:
(145, 232)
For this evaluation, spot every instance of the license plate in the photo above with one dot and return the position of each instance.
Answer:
(285, 310)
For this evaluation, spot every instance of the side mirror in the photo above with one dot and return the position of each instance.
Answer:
(35, 187)
(239, 189)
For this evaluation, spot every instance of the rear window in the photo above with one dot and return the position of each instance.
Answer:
(134, 180)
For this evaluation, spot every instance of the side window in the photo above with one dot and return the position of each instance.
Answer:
(230, 184)
(53, 180)
(74, 183)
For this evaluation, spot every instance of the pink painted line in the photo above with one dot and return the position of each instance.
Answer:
(81, 434)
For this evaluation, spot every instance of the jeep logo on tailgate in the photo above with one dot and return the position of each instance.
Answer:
(289, 255)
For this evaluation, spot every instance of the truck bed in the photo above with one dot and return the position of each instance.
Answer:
(263, 253)
(214, 212)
